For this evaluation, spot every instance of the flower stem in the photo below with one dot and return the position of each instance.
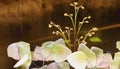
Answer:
(75, 28)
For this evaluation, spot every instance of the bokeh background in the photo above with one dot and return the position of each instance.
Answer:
(27, 20)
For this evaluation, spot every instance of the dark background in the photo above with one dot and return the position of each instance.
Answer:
(27, 20)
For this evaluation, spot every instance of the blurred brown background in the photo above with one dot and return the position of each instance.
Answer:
(27, 20)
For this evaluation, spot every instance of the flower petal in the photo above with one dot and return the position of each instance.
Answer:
(117, 56)
(36, 55)
(45, 44)
(118, 45)
(12, 51)
(115, 64)
(78, 60)
(22, 51)
(23, 48)
(50, 43)
(62, 65)
(52, 66)
(60, 52)
(56, 51)
(104, 61)
(90, 54)
(97, 51)
(24, 62)
(21, 61)
(42, 54)
(18, 50)
(43, 67)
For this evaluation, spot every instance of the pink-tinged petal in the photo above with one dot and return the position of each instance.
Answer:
(52, 66)
(12, 51)
(18, 50)
(52, 51)
(36, 55)
(42, 54)
(22, 50)
(104, 61)
(57, 53)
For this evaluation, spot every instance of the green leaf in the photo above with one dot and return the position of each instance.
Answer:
(67, 41)
(95, 39)
(78, 60)
(118, 45)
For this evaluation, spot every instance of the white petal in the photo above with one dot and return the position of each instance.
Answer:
(59, 41)
(118, 45)
(97, 51)
(62, 65)
(115, 64)
(12, 51)
(50, 51)
(78, 60)
(23, 48)
(92, 59)
(43, 67)
(21, 61)
(60, 52)
(117, 56)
